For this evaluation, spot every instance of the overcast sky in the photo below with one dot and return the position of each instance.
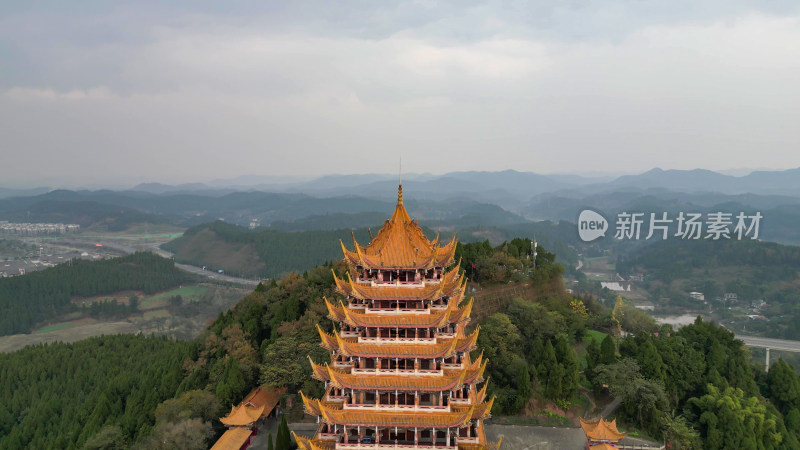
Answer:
(99, 92)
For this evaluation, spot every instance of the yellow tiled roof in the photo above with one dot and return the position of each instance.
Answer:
(258, 403)
(435, 319)
(233, 439)
(601, 430)
(405, 382)
(305, 443)
(452, 282)
(400, 243)
(442, 348)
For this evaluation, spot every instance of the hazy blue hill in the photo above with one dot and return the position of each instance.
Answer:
(332, 222)
(7, 192)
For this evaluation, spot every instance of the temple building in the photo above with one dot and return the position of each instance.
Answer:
(245, 418)
(401, 373)
(601, 434)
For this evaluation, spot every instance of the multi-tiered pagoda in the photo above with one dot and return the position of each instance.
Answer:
(401, 374)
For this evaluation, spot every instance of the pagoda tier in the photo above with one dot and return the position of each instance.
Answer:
(400, 244)
(401, 374)
(355, 319)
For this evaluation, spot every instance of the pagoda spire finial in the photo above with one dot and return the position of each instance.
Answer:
(400, 182)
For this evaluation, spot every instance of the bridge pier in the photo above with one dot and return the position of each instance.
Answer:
(766, 369)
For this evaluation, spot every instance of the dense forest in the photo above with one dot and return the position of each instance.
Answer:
(28, 300)
(62, 395)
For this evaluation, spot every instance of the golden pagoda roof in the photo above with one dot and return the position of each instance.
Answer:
(483, 410)
(305, 443)
(400, 243)
(434, 319)
(431, 383)
(442, 348)
(451, 283)
(233, 439)
(242, 416)
(482, 444)
(258, 403)
(601, 430)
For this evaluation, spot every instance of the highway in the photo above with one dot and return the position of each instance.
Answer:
(772, 344)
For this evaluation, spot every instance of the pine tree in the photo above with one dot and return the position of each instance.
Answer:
(592, 358)
(283, 441)
(269, 443)
(567, 359)
(650, 362)
(608, 351)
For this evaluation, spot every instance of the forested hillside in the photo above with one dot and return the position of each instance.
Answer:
(38, 296)
(61, 395)
(264, 253)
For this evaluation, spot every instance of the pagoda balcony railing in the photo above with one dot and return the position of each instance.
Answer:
(337, 398)
(357, 306)
(343, 365)
(391, 446)
(329, 436)
(460, 401)
(398, 310)
(452, 366)
(350, 334)
(438, 307)
(446, 335)
(468, 440)
(420, 283)
(404, 408)
(395, 340)
(374, 371)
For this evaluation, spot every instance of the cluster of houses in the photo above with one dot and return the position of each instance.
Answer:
(36, 229)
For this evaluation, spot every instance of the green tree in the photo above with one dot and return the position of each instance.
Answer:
(729, 419)
(608, 351)
(592, 358)
(232, 386)
(569, 361)
(783, 386)
(110, 437)
(679, 433)
(650, 362)
(270, 446)
(283, 439)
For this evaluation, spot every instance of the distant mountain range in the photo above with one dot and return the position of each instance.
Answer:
(455, 199)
